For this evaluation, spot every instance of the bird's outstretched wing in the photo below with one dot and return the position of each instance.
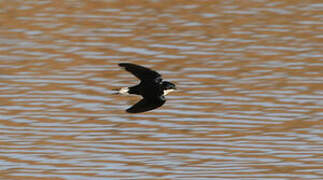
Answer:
(146, 104)
(142, 73)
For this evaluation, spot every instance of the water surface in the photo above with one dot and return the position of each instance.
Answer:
(249, 104)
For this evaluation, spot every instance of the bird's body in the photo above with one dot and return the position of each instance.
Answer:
(151, 87)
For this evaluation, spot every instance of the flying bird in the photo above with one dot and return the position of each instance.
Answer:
(151, 87)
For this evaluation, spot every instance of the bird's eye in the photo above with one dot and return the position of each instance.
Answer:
(158, 80)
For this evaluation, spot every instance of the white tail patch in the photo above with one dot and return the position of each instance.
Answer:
(167, 91)
(124, 91)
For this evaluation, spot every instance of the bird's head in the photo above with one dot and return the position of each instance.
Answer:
(168, 87)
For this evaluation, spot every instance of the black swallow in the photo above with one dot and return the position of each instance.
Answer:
(151, 87)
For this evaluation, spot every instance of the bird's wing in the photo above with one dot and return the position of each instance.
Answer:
(146, 104)
(142, 73)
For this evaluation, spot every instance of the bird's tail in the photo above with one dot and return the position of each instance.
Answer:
(123, 91)
(115, 91)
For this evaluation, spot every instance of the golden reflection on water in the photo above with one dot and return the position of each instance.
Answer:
(249, 76)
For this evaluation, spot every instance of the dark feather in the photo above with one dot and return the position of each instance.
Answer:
(146, 104)
(142, 73)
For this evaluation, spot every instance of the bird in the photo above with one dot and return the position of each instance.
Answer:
(152, 88)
